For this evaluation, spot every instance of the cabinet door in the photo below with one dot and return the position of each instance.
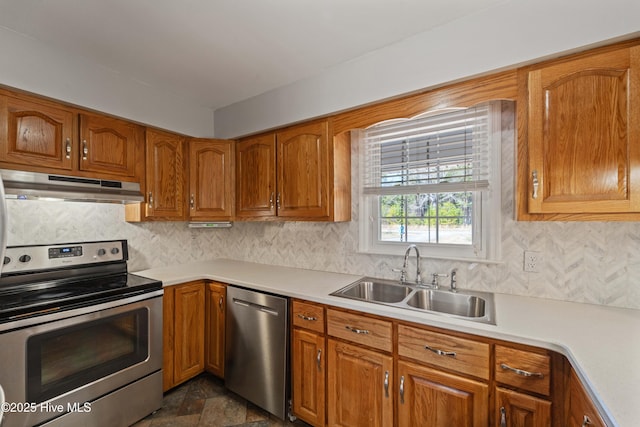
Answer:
(308, 373)
(165, 175)
(110, 146)
(189, 331)
(433, 398)
(211, 179)
(359, 386)
(215, 296)
(515, 409)
(37, 134)
(168, 336)
(581, 411)
(256, 177)
(303, 171)
(584, 135)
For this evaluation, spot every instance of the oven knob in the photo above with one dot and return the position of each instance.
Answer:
(6, 261)
(24, 258)
(101, 252)
(115, 251)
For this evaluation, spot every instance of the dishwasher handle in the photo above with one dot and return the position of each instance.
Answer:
(255, 306)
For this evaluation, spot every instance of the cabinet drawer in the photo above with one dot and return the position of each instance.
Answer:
(458, 354)
(309, 316)
(523, 369)
(365, 330)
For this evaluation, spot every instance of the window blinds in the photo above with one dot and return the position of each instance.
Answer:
(446, 152)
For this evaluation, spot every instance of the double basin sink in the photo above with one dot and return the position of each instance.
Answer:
(464, 304)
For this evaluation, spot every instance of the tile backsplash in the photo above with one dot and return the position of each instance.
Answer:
(594, 262)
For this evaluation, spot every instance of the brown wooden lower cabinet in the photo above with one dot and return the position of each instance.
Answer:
(359, 386)
(215, 296)
(431, 397)
(308, 359)
(188, 358)
(581, 410)
(377, 379)
(185, 349)
(521, 410)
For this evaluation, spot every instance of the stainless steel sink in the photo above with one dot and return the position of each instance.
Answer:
(376, 291)
(464, 304)
(458, 304)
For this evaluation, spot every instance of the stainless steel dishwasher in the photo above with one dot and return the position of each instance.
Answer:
(257, 349)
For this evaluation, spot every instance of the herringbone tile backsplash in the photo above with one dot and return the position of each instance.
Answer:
(592, 262)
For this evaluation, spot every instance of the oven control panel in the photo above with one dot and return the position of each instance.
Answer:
(42, 257)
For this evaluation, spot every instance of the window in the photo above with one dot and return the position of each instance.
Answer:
(433, 181)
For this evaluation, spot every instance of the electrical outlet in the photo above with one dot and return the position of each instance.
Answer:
(531, 261)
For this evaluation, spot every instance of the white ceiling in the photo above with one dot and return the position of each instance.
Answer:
(218, 52)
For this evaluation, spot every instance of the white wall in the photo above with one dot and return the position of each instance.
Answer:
(30, 65)
(514, 32)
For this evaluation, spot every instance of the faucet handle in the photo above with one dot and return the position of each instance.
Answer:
(403, 274)
(434, 282)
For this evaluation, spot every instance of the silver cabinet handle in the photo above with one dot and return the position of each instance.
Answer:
(67, 148)
(357, 331)
(150, 199)
(319, 360)
(221, 302)
(503, 417)
(308, 318)
(85, 149)
(520, 372)
(386, 383)
(278, 201)
(585, 421)
(536, 183)
(192, 201)
(402, 389)
(441, 352)
(271, 201)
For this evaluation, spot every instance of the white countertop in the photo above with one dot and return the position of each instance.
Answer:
(601, 342)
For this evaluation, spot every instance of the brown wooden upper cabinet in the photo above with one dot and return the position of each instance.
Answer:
(38, 134)
(43, 136)
(579, 154)
(165, 175)
(109, 145)
(211, 186)
(297, 173)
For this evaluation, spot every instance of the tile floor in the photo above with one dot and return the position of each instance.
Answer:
(203, 401)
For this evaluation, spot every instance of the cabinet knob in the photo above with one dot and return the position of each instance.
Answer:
(278, 201)
(503, 417)
(535, 183)
(192, 201)
(151, 199)
(271, 201)
(585, 421)
(85, 149)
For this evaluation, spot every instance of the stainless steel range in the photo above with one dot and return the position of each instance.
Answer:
(80, 337)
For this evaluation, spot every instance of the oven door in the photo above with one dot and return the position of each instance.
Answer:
(70, 358)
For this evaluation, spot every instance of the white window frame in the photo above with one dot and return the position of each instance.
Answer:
(487, 236)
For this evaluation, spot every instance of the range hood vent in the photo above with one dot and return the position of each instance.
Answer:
(32, 185)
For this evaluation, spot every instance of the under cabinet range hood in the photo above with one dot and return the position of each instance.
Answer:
(44, 186)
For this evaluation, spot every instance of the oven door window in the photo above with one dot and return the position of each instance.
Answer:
(68, 358)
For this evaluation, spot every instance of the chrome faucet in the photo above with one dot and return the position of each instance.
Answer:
(406, 260)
